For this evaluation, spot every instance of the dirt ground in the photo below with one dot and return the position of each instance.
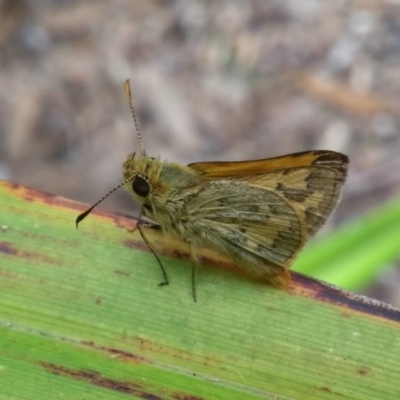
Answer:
(211, 80)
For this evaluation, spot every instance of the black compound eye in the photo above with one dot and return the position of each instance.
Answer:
(140, 186)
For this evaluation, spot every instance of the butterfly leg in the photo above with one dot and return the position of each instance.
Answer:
(133, 230)
(140, 224)
(144, 224)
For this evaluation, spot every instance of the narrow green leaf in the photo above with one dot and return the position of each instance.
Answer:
(82, 317)
(367, 245)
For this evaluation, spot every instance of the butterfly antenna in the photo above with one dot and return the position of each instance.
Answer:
(127, 87)
(89, 210)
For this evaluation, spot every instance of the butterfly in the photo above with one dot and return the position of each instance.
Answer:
(257, 213)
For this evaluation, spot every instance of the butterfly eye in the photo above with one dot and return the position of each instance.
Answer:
(140, 186)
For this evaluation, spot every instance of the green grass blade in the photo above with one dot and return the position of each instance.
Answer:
(354, 255)
(82, 317)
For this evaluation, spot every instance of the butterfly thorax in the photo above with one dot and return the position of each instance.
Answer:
(157, 186)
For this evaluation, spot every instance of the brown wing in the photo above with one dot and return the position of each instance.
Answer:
(326, 158)
(253, 226)
(261, 221)
(310, 182)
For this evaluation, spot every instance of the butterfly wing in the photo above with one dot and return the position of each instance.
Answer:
(254, 227)
(262, 218)
(311, 182)
(236, 169)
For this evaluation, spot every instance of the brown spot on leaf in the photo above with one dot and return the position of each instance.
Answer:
(326, 389)
(136, 244)
(181, 396)
(123, 273)
(364, 370)
(7, 248)
(121, 354)
(347, 300)
(97, 379)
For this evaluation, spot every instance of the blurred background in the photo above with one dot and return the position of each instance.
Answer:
(211, 80)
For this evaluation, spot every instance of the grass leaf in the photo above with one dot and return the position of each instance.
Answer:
(355, 254)
(82, 317)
